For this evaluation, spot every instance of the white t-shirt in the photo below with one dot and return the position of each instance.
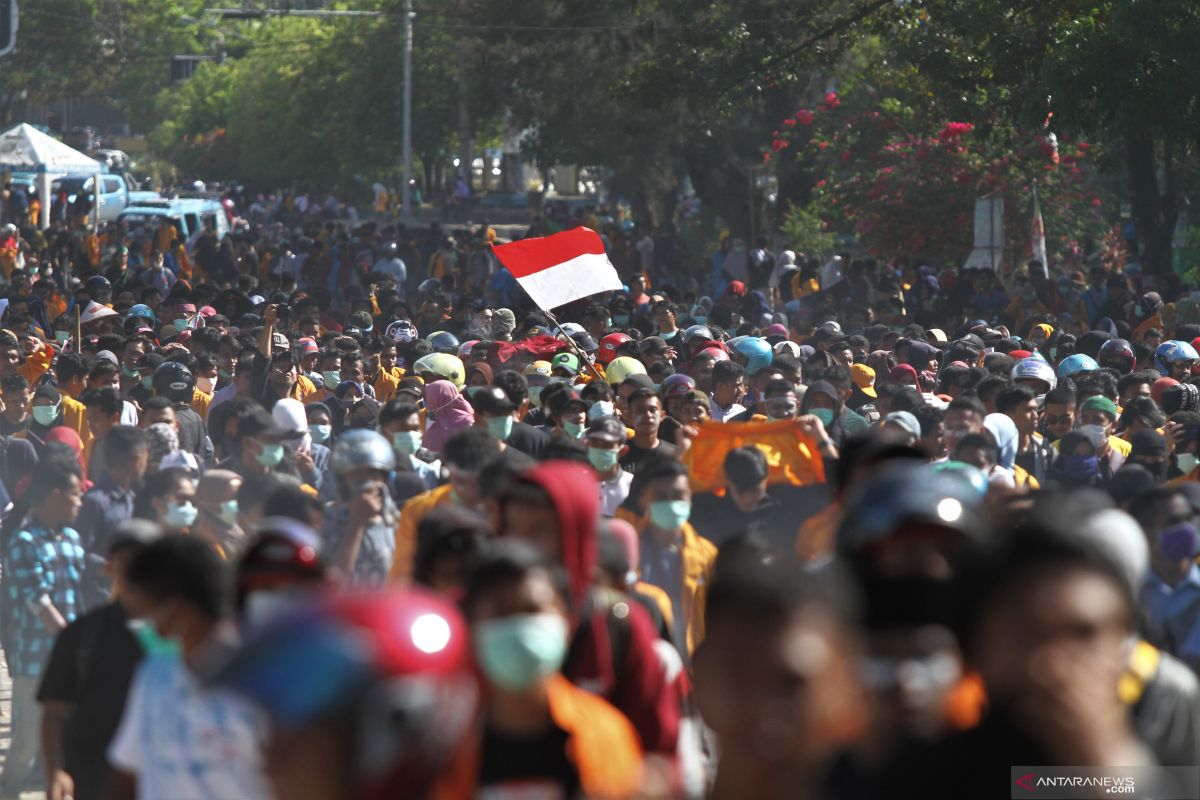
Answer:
(187, 742)
(613, 493)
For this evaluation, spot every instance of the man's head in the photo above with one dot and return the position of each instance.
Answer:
(775, 675)
(56, 491)
(1099, 411)
(103, 410)
(126, 452)
(179, 585)
(464, 455)
(645, 412)
(158, 409)
(728, 382)
(17, 397)
(662, 492)
(1019, 403)
(746, 474)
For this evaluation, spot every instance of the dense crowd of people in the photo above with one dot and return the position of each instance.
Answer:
(314, 510)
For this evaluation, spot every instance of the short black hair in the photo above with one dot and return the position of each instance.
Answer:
(1012, 397)
(156, 403)
(727, 372)
(989, 387)
(968, 403)
(928, 416)
(638, 395)
(505, 562)
(470, 449)
(397, 409)
(14, 383)
(514, 385)
(448, 531)
(184, 568)
(122, 442)
(745, 467)
(69, 366)
(1060, 395)
(984, 441)
(107, 399)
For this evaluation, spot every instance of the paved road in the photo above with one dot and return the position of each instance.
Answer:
(5, 721)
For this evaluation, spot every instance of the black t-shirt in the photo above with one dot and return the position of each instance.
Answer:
(632, 460)
(529, 440)
(192, 432)
(668, 430)
(90, 668)
(527, 766)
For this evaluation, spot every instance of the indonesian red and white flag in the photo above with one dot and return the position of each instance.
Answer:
(560, 269)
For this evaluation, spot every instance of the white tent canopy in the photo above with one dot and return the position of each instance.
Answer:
(26, 148)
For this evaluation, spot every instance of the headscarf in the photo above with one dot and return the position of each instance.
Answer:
(881, 362)
(163, 440)
(825, 388)
(1004, 431)
(483, 369)
(786, 261)
(67, 436)
(900, 371)
(1071, 470)
(449, 412)
(574, 491)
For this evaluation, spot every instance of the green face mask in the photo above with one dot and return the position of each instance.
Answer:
(517, 652)
(406, 442)
(147, 381)
(152, 643)
(535, 396)
(45, 415)
(320, 433)
(180, 324)
(603, 459)
(669, 515)
(127, 372)
(823, 414)
(500, 427)
(224, 374)
(271, 455)
(700, 320)
(1187, 462)
(228, 511)
(331, 379)
(573, 429)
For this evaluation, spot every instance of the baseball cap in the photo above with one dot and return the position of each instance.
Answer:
(606, 429)
(567, 361)
(492, 400)
(864, 378)
(653, 345)
(906, 421)
(585, 342)
(279, 341)
(538, 368)
(361, 320)
(560, 400)
(261, 425)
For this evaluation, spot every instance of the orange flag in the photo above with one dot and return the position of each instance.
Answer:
(792, 455)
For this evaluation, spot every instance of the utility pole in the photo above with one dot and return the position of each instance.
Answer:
(406, 190)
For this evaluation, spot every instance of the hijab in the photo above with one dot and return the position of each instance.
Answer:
(825, 388)
(449, 413)
(482, 369)
(1004, 431)
(881, 362)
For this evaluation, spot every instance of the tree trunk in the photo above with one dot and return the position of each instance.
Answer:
(1154, 211)
(722, 185)
(466, 144)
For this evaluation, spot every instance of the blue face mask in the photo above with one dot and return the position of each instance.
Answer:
(331, 379)
(1081, 468)
(1177, 542)
(406, 442)
(228, 511)
(669, 515)
(147, 381)
(620, 320)
(271, 455)
(320, 433)
(573, 429)
(500, 427)
(518, 652)
(180, 515)
(45, 415)
(699, 320)
(603, 458)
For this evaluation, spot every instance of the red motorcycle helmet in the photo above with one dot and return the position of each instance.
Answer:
(391, 668)
(609, 346)
(1117, 354)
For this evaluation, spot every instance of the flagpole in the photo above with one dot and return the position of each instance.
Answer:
(574, 346)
